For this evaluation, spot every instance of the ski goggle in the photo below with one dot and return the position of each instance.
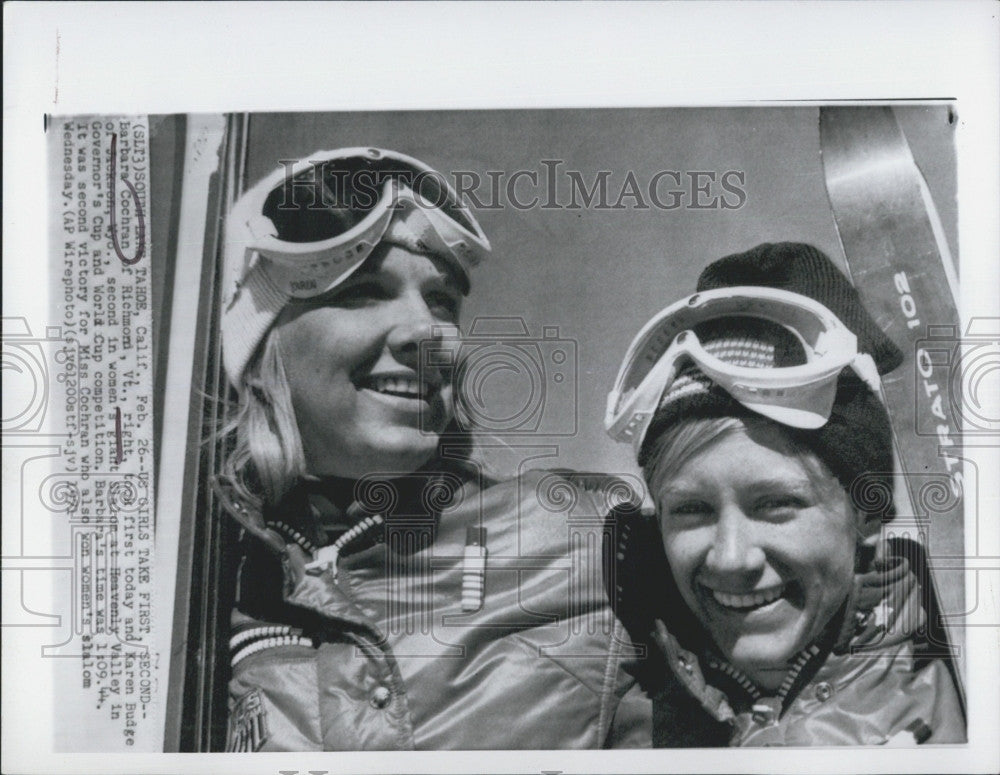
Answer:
(799, 396)
(317, 220)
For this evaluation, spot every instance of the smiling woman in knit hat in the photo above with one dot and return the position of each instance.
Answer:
(367, 523)
(778, 616)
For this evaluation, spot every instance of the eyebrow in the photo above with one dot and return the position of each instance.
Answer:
(680, 491)
(795, 483)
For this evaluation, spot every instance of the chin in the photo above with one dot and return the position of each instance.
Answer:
(760, 658)
(764, 651)
(403, 453)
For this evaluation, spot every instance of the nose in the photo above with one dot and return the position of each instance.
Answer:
(413, 323)
(734, 549)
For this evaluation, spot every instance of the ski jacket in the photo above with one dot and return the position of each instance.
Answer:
(884, 674)
(458, 614)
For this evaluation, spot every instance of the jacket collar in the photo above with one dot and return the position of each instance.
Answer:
(884, 607)
(316, 511)
(880, 601)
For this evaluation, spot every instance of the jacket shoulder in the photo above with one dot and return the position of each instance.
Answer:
(602, 493)
(249, 515)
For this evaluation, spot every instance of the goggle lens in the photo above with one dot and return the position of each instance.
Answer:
(332, 197)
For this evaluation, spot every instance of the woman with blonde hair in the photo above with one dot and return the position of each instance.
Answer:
(392, 593)
(775, 612)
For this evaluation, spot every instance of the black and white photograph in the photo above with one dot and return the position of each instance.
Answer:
(514, 432)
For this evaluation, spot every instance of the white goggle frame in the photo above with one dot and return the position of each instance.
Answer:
(307, 269)
(797, 396)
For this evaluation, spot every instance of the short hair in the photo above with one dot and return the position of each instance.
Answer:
(680, 442)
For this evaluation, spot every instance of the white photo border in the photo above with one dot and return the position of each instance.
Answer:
(68, 58)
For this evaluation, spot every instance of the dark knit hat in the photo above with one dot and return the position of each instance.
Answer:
(856, 441)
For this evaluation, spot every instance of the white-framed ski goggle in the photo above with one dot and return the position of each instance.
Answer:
(315, 221)
(798, 396)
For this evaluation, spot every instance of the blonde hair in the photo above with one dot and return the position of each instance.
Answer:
(680, 442)
(267, 458)
(670, 450)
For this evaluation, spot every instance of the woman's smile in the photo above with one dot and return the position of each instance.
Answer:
(367, 393)
(401, 386)
(761, 544)
(407, 392)
(747, 601)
